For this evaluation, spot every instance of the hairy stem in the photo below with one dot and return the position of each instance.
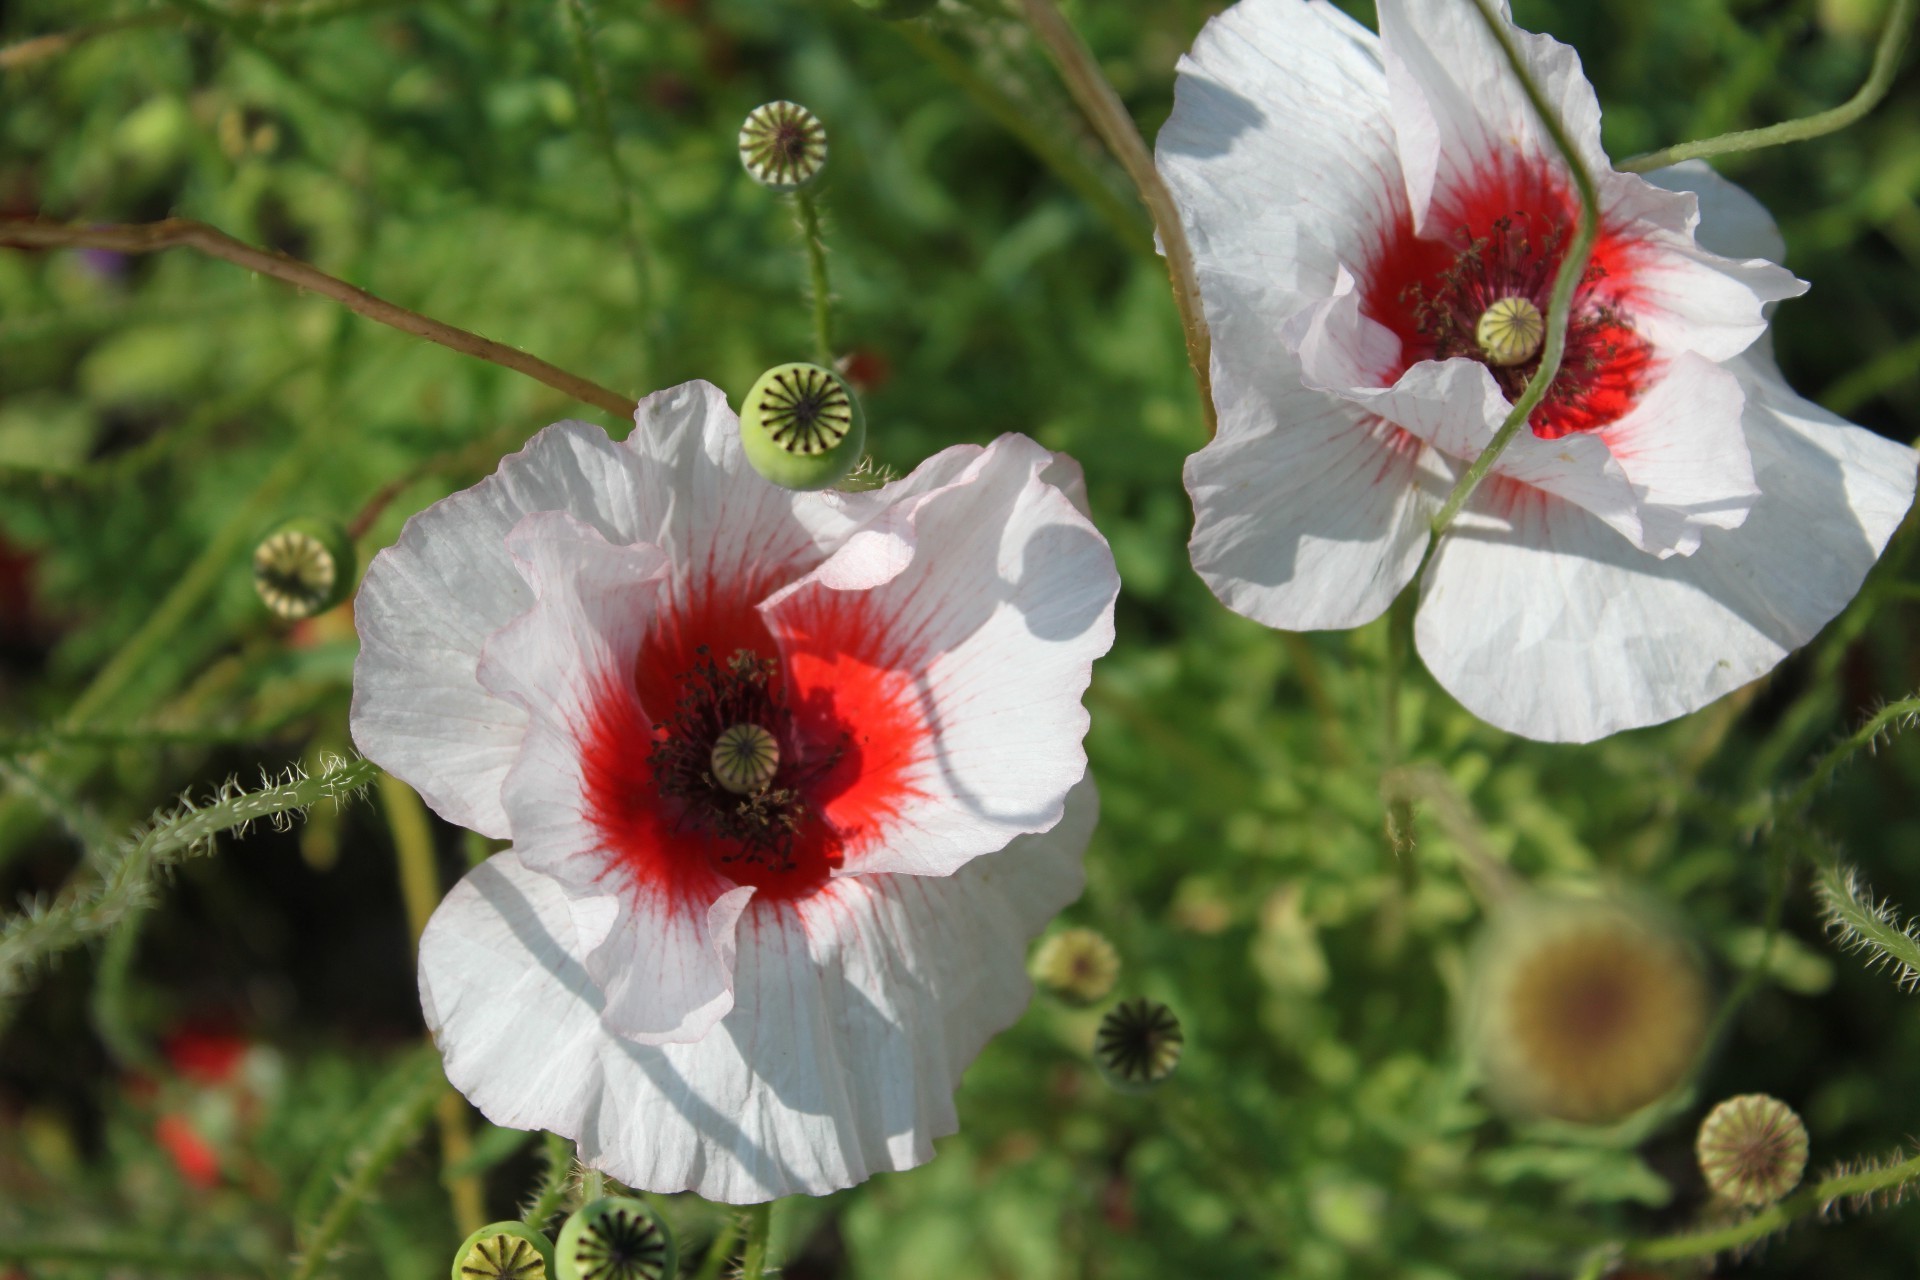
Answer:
(720, 1250)
(150, 237)
(1116, 128)
(759, 1241)
(809, 215)
(1886, 60)
(416, 1086)
(1816, 1198)
(1895, 715)
(1560, 303)
(558, 1153)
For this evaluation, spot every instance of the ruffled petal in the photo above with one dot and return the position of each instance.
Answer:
(1272, 208)
(1732, 223)
(855, 1013)
(1308, 512)
(950, 641)
(1543, 623)
(657, 941)
(430, 601)
(1460, 114)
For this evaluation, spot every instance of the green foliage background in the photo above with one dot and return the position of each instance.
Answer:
(158, 414)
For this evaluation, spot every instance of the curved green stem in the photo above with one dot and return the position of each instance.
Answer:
(1886, 60)
(1701, 1244)
(759, 1241)
(1907, 709)
(809, 215)
(1116, 128)
(1560, 304)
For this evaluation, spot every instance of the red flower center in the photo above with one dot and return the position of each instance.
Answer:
(846, 730)
(1470, 294)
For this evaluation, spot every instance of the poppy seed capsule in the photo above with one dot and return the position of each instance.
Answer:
(615, 1238)
(303, 567)
(801, 426)
(745, 758)
(1752, 1149)
(504, 1251)
(783, 146)
(1138, 1045)
(1511, 331)
(1076, 966)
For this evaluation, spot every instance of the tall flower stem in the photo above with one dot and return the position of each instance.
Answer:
(809, 215)
(759, 1241)
(1886, 60)
(720, 1250)
(1116, 128)
(150, 237)
(420, 890)
(1864, 1184)
(1560, 303)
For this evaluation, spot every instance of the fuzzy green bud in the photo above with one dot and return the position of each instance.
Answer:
(1752, 1149)
(1077, 966)
(1138, 1045)
(504, 1251)
(303, 567)
(801, 426)
(783, 146)
(616, 1238)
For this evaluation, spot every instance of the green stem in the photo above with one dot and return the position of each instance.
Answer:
(1857, 922)
(720, 1250)
(553, 1186)
(759, 1241)
(1399, 642)
(1886, 60)
(1700, 1244)
(394, 1128)
(1907, 709)
(1560, 304)
(1108, 115)
(1027, 127)
(809, 215)
(593, 1185)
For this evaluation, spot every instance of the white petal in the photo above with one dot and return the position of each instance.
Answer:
(1546, 625)
(661, 954)
(1309, 513)
(429, 602)
(856, 1012)
(1459, 111)
(720, 522)
(1732, 223)
(1280, 152)
(969, 616)
(1684, 451)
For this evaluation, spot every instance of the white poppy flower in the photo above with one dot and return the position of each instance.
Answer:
(1377, 222)
(755, 966)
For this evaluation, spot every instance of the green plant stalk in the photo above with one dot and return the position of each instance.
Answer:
(1108, 115)
(1861, 924)
(85, 911)
(720, 1250)
(1886, 61)
(394, 1128)
(109, 1006)
(1399, 645)
(1887, 718)
(1701, 1244)
(1121, 219)
(577, 16)
(809, 216)
(1560, 301)
(759, 1241)
(558, 1153)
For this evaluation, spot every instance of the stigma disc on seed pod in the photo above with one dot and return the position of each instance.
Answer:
(801, 426)
(303, 567)
(504, 1251)
(615, 1238)
(1138, 1045)
(783, 146)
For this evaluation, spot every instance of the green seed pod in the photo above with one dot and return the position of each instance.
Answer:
(1752, 1149)
(895, 10)
(745, 758)
(504, 1251)
(1510, 331)
(616, 1238)
(1138, 1045)
(303, 567)
(801, 426)
(1076, 966)
(783, 145)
